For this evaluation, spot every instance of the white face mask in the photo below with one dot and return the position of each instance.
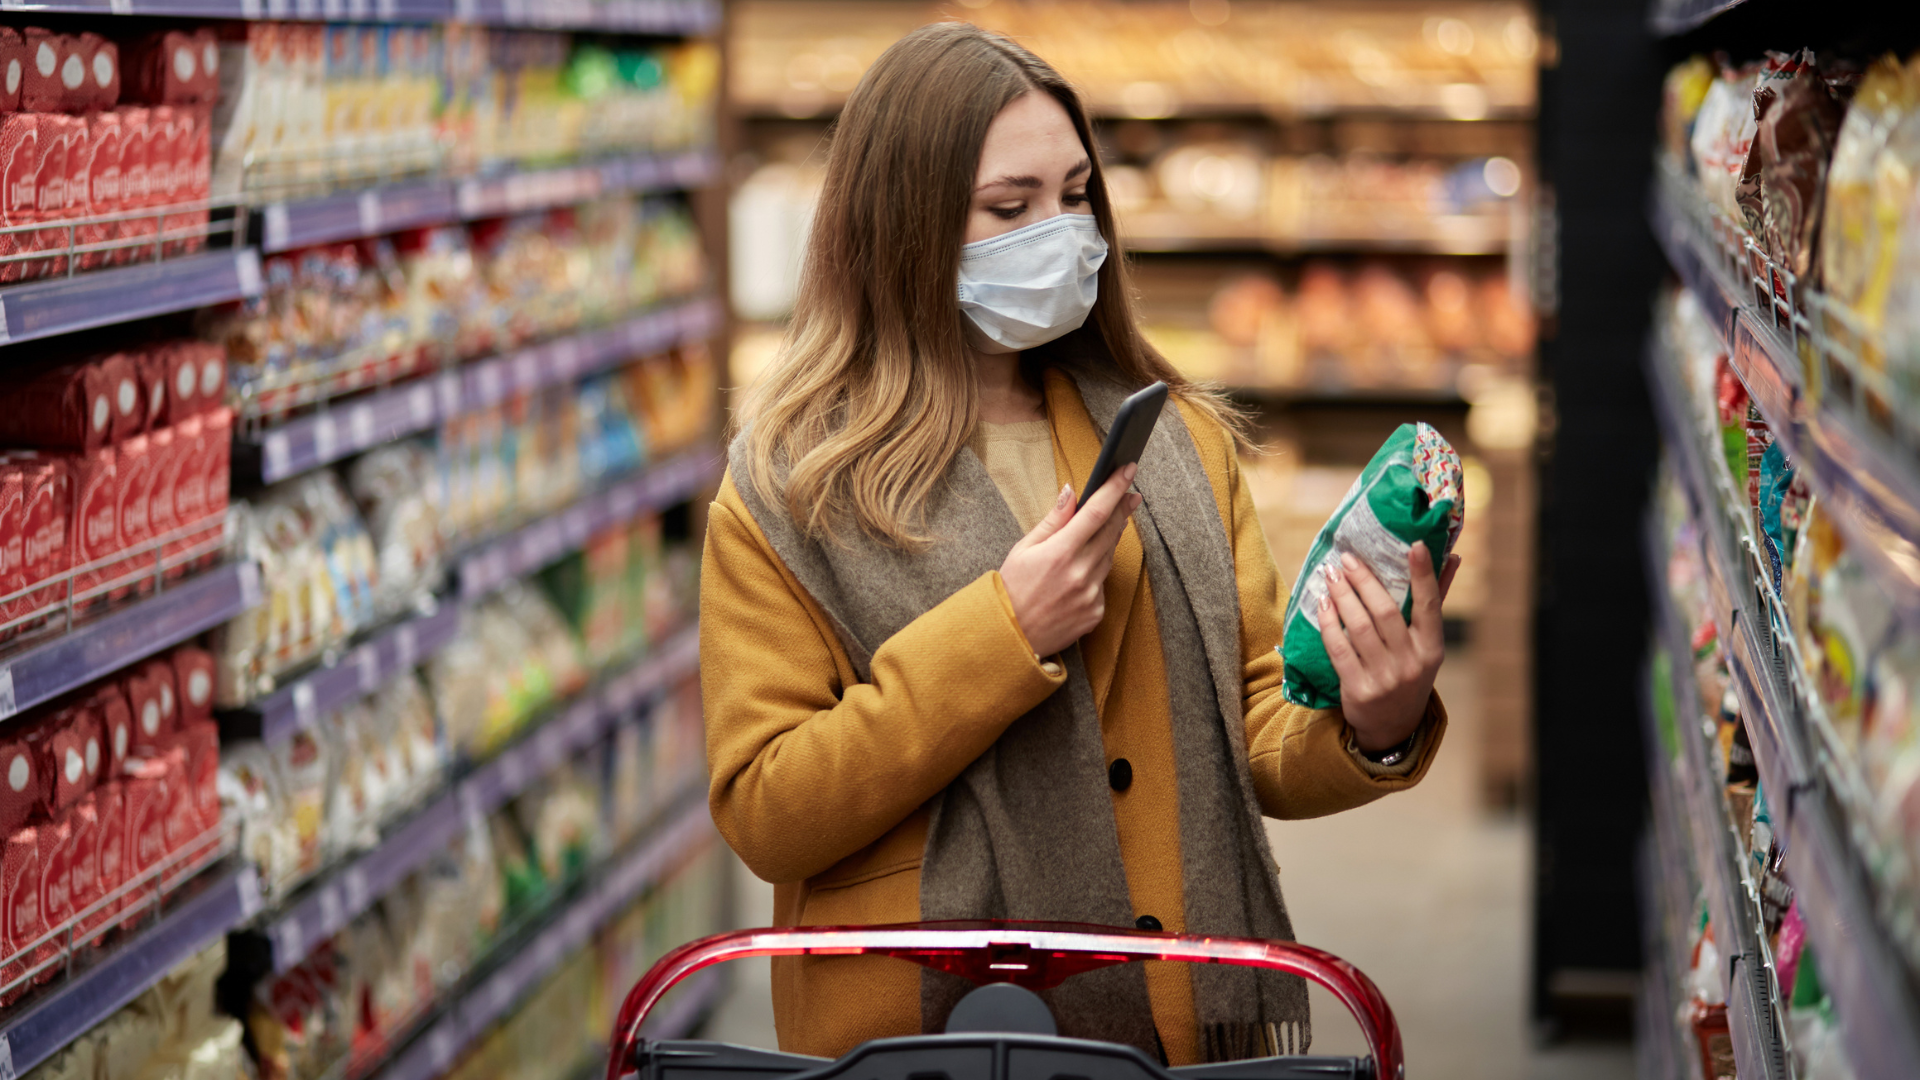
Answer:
(1034, 284)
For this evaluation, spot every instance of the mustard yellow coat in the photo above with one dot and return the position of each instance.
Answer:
(821, 782)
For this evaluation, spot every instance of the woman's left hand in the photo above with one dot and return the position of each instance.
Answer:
(1386, 666)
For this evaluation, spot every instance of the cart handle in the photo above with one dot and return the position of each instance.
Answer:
(1034, 955)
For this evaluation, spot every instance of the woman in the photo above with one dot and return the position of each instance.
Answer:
(933, 690)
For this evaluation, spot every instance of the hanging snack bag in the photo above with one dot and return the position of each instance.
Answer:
(1410, 491)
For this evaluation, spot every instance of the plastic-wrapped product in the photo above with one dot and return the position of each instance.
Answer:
(358, 790)
(1783, 183)
(404, 726)
(1722, 134)
(392, 485)
(305, 767)
(1410, 491)
(250, 795)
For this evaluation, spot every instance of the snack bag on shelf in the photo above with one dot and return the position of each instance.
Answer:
(1682, 93)
(1409, 492)
(392, 485)
(1722, 136)
(1782, 185)
(251, 795)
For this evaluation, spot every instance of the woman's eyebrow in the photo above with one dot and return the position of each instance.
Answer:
(1034, 181)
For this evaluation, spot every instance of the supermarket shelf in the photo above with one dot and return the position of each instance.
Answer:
(326, 907)
(666, 17)
(1873, 996)
(1871, 489)
(99, 298)
(228, 899)
(1671, 17)
(534, 546)
(417, 203)
(441, 1046)
(1732, 900)
(126, 634)
(298, 703)
(340, 431)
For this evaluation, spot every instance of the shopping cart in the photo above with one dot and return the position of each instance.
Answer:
(1001, 1030)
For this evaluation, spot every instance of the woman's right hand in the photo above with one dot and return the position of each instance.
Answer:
(1056, 575)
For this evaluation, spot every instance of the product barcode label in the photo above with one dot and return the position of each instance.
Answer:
(369, 664)
(276, 456)
(370, 212)
(6, 1058)
(304, 706)
(7, 706)
(326, 438)
(276, 227)
(249, 885)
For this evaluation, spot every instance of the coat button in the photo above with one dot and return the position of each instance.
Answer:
(1147, 922)
(1052, 669)
(1120, 774)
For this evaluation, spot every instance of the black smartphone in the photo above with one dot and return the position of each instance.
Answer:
(1126, 438)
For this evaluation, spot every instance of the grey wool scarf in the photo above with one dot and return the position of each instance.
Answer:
(1027, 831)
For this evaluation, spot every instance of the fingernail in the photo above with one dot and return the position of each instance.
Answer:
(1333, 575)
(1325, 604)
(1420, 547)
(1066, 495)
(1347, 560)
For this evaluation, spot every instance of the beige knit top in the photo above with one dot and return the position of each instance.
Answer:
(1019, 458)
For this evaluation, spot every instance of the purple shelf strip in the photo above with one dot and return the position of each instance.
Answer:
(224, 902)
(413, 204)
(328, 906)
(362, 423)
(440, 1047)
(545, 541)
(110, 642)
(49, 308)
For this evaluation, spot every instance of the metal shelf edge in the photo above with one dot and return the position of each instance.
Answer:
(127, 634)
(43, 309)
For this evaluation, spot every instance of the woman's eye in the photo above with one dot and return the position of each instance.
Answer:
(1078, 198)
(1007, 213)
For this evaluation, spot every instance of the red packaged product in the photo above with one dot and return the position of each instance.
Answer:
(160, 516)
(20, 196)
(135, 463)
(162, 154)
(13, 68)
(156, 385)
(59, 742)
(143, 699)
(212, 361)
(136, 147)
(72, 406)
(103, 184)
(75, 57)
(13, 544)
(193, 676)
(93, 519)
(200, 742)
(20, 906)
(47, 495)
(147, 794)
(189, 482)
(40, 91)
(109, 703)
(159, 672)
(181, 824)
(216, 443)
(208, 42)
(184, 371)
(102, 58)
(56, 882)
(129, 404)
(22, 782)
(50, 180)
(110, 802)
(166, 69)
(84, 820)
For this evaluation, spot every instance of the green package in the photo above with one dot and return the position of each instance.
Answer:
(1410, 491)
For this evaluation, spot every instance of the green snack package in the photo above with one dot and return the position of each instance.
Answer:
(1410, 491)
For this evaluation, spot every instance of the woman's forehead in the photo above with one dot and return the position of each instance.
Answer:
(1033, 140)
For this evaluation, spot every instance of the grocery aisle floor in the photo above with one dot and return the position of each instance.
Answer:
(1424, 891)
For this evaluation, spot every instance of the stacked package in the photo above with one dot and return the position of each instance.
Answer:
(94, 128)
(100, 793)
(121, 473)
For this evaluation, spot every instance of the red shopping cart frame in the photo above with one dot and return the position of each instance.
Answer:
(1033, 955)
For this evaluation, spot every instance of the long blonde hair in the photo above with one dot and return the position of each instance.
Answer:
(874, 391)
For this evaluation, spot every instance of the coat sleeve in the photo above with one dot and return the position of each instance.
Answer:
(807, 765)
(1302, 759)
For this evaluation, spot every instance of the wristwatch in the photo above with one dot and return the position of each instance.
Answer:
(1391, 756)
